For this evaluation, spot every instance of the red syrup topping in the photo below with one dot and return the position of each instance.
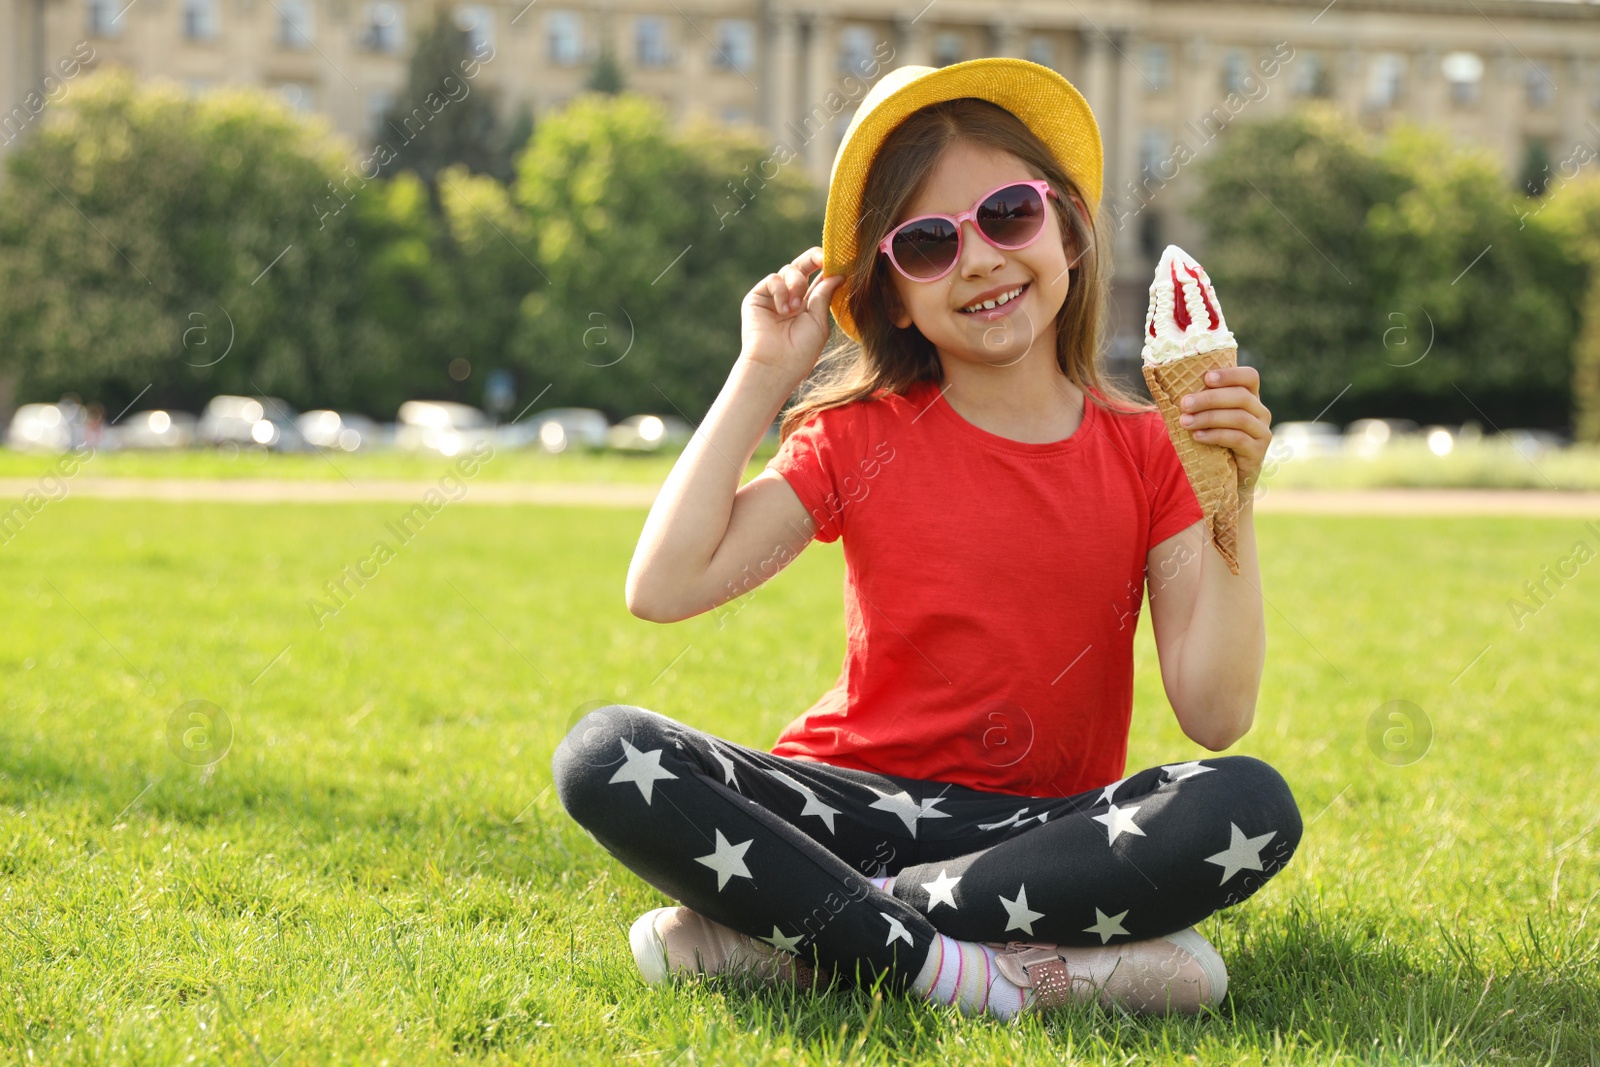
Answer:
(1205, 294)
(1180, 310)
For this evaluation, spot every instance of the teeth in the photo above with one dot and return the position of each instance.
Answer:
(1003, 298)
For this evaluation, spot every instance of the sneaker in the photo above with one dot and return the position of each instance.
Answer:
(1179, 973)
(679, 940)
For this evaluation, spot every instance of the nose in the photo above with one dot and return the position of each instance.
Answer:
(978, 256)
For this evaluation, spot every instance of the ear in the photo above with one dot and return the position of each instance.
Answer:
(897, 309)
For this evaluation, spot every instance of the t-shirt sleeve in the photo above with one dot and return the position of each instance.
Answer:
(1173, 503)
(808, 459)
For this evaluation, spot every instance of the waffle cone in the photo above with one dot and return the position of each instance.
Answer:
(1212, 469)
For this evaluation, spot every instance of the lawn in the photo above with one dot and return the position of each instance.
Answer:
(1492, 463)
(377, 871)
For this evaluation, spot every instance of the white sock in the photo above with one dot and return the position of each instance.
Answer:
(963, 973)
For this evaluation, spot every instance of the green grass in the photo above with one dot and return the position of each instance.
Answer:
(1490, 464)
(523, 465)
(377, 871)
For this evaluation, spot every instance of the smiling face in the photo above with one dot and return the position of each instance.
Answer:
(1004, 334)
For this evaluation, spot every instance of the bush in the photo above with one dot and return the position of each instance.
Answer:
(219, 244)
(1399, 274)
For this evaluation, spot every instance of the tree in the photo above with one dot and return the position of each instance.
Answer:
(1302, 281)
(646, 241)
(1498, 298)
(606, 74)
(1586, 368)
(443, 116)
(224, 244)
(1574, 217)
(518, 134)
(1399, 277)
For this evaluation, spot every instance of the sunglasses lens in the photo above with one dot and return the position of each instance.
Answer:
(1013, 216)
(925, 248)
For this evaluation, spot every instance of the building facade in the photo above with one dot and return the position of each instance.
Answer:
(1165, 77)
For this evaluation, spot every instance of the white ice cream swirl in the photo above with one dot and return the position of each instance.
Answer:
(1164, 339)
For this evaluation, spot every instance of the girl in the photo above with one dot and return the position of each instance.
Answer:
(952, 818)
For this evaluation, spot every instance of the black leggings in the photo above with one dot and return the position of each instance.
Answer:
(781, 848)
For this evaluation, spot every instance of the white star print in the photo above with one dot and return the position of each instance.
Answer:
(1119, 821)
(1106, 925)
(643, 769)
(1018, 915)
(813, 805)
(1177, 772)
(727, 767)
(1015, 820)
(785, 944)
(1110, 791)
(908, 810)
(1241, 852)
(897, 930)
(941, 890)
(727, 860)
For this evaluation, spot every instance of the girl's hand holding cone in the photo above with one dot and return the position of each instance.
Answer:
(1228, 412)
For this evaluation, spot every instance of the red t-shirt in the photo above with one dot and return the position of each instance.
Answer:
(991, 592)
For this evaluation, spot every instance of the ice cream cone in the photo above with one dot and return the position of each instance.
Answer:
(1212, 469)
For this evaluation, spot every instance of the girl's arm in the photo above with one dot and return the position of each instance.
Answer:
(1209, 626)
(707, 539)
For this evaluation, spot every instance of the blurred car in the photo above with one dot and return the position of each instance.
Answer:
(42, 428)
(1368, 437)
(1534, 443)
(441, 426)
(1305, 440)
(155, 429)
(250, 422)
(557, 429)
(339, 431)
(646, 433)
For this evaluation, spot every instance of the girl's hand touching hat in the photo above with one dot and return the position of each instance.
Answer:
(784, 319)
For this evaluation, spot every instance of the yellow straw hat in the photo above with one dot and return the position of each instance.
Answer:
(1045, 101)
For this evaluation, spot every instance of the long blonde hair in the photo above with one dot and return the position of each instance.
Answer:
(891, 359)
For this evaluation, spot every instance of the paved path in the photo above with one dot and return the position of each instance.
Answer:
(268, 491)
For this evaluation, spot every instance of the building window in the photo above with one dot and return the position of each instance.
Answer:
(1464, 72)
(1541, 84)
(379, 101)
(200, 19)
(1157, 67)
(383, 27)
(297, 95)
(855, 50)
(1153, 151)
(736, 45)
(565, 35)
(103, 20)
(948, 48)
(1386, 79)
(650, 41)
(477, 22)
(1311, 76)
(1041, 51)
(1151, 238)
(1235, 69)
(294, 23)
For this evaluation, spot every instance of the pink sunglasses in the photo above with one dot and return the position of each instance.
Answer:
(927, 248)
